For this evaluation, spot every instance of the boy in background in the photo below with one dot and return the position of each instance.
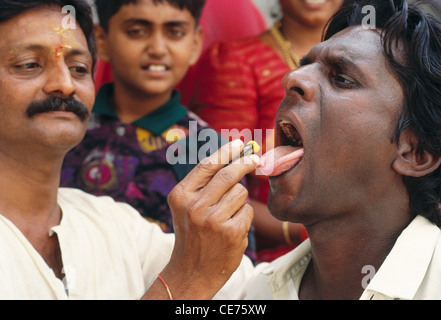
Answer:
(150, 44)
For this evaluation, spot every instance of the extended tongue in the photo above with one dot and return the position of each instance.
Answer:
(278, 160)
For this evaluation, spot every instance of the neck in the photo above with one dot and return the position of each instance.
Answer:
(343, 248)
(131, 104)
(29, 184)
(29, 187)
(302, 37)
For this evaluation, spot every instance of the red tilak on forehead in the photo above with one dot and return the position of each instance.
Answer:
(63, 38)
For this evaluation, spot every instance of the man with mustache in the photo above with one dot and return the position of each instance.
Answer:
(63, 243)
(58, 104)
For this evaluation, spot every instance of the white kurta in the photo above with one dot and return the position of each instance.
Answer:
(109, 252)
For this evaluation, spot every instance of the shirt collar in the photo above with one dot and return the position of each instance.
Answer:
(286, 272)
(404, 269)
(399, 277)
(157, 121)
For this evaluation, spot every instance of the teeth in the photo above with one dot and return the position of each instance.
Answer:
(157, 67)
(315, 1)
(291, 133)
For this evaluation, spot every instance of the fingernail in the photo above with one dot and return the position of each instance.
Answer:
(236, 143)
(255, 158)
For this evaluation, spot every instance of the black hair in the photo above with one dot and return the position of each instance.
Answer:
(415, 26)
(108, 8)
(83, 14)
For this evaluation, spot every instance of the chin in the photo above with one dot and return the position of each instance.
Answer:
(317, 23)
(288, 208)
(278, 208)
(64, 139)
(65, 145)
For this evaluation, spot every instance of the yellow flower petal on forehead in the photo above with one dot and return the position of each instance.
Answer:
(66, 35)
(67, 39)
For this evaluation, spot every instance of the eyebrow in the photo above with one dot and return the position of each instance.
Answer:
(41, 48)
(79, 52)
(31, 47)
(337, 61)
(340, 62)
(304, 61)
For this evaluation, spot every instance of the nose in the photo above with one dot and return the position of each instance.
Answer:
(59, 80)
(301, 83)
(157, 46)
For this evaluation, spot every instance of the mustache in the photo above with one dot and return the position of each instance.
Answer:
(58, 104)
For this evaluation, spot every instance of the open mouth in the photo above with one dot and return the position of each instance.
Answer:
(288, 153)
(289, 135)
(155, 67)
(315, 1)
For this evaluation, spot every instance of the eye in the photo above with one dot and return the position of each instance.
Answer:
(136, 32)
(344, 81)
(29, 68)
(79, 71)
(177, 33)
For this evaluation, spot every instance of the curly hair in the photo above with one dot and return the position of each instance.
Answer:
(415, 24)
(107, 8)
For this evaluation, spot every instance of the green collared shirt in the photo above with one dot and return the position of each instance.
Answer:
(157, 121)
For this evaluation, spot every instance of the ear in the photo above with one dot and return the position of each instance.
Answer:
(411, 163)
(198, 45)
(101, 43)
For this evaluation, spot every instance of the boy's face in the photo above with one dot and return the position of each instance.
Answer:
(151, 46)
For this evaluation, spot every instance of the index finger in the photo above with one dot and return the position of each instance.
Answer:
(208, 167)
